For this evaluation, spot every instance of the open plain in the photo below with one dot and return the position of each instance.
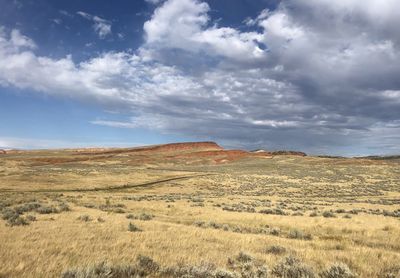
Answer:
(196, 210)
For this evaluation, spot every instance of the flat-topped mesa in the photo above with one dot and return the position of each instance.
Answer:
(171, 147)
(186, 146)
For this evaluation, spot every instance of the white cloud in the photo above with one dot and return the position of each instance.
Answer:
(183, 24)
(65, 13)
(329, 76)
(101, 26)
(279, 24)
(19, 40)
(57, 21)
(263, 15)
(115, 124)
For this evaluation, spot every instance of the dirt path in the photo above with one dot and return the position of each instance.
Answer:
(111, 188)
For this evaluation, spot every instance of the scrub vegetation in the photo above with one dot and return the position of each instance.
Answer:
(195, 213)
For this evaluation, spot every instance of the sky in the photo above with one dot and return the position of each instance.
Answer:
(318, 76)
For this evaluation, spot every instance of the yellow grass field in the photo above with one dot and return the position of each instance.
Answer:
(64, 212)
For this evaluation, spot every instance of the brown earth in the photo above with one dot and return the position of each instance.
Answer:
(196, 205)
(191, 152)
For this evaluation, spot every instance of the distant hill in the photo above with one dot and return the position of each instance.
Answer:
(206, 152)
(281, 152)
(171, 147)
(380, 157)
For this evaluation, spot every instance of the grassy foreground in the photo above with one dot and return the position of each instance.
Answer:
(63, 214)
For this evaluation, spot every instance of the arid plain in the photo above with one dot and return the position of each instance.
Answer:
(196, 210)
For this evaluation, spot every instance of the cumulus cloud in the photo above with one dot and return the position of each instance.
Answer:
(18, 40)
(319, 76)
(101, 26)
(184, 24)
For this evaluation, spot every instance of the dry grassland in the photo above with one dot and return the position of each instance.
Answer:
(62, 214)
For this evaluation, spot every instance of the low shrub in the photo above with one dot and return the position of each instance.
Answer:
(101, 220)
(63, 207)
(46, 210)
(340, 211)
(17, 221)
(8, 213)
(133, 228)
(143, 216)
(30, 218)
(276, 211)
(275, 249)
(291, 267)
(85, 218)
(118, 210)
(275, 231)
(297, 234)
(27, 207)
(390, 272)
(104, 270)
(328, 214)
(214, 225)
(242, 266)
(147, 264)
(337, 270)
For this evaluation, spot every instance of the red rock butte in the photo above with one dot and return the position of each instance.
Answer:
(186, 153)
